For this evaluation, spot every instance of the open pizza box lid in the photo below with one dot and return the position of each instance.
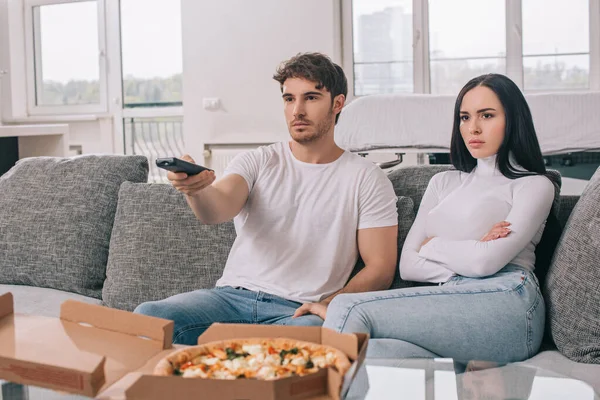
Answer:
(84, 351)
(323, 385)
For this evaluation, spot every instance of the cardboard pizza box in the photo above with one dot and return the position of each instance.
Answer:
(323, 385)
(84, 351)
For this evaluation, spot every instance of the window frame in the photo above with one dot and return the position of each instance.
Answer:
(34, 62)
(514, 46)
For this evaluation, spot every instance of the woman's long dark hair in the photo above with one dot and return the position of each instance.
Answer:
(521, 141)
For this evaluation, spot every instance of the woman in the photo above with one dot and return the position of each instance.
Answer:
(474, 238)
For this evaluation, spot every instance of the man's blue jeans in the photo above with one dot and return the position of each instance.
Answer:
(195, 311)
(497, 318)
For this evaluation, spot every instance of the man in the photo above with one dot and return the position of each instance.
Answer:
(303, 211)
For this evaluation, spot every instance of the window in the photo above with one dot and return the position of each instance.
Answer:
(66, 53)
(556, 44)
(436, 46)
(151, 52)
(383, 54)
(467, 38)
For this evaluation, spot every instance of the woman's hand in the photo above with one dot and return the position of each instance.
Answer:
(500, 230)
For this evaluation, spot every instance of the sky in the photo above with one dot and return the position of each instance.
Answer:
(151, 32)
(151, 39)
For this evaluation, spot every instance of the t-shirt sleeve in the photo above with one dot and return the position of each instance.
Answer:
(247, 165)
(377, 201)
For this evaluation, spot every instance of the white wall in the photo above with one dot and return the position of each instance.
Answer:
(5, 65)
(231, 49)
(3, 54)
(93, 136)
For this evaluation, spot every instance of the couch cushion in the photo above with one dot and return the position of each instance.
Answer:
(412, 181)
(567, 204)
(56, 216)
(556, 179)
(41, 301)
(573, 303)
(406, 217)
(158, 247)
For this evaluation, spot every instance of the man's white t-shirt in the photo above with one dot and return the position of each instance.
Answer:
(297, 233)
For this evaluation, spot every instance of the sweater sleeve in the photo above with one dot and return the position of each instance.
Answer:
(413, 267)
(532, 201)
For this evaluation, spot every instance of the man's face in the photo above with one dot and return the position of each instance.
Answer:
(309, 111)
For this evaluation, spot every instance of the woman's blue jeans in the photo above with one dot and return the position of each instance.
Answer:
(497, 318)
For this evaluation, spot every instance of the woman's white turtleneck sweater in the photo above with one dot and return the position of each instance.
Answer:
(459, 208)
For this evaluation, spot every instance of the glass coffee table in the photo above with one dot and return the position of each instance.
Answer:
(15, 391)
(418, 379)
(445, 379)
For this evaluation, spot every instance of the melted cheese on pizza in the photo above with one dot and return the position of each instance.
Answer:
(256, 361)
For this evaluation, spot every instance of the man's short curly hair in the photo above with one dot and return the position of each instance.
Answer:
(315, 67)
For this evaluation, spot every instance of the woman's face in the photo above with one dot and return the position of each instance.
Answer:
(482, 122)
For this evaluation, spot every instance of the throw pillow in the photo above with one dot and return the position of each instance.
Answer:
(571, 290)
(56, 216)
(158, 248)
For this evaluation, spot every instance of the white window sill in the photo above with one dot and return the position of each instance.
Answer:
(56, 118)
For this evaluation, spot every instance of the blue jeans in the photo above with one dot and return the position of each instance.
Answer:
(195, 311)
(497, 318)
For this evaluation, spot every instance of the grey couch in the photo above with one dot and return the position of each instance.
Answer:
(90, 229)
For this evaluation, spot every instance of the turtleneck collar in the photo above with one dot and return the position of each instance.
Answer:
(487, 166)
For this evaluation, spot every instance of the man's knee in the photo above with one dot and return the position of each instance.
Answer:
(178, 312)
(186, 330)
(183, 306)
(154, 309)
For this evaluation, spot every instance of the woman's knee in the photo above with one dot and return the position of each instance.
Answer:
(396, 349)
(342, 309)
(341, 301)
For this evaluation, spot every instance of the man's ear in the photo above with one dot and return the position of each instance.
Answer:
(338, 103)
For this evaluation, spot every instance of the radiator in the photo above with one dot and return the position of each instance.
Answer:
(217, 158)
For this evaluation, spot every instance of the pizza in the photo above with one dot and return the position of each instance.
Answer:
(253, 358)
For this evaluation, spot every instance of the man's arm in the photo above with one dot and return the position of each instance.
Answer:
(220, 201)
(378, 248)
(212, 202)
